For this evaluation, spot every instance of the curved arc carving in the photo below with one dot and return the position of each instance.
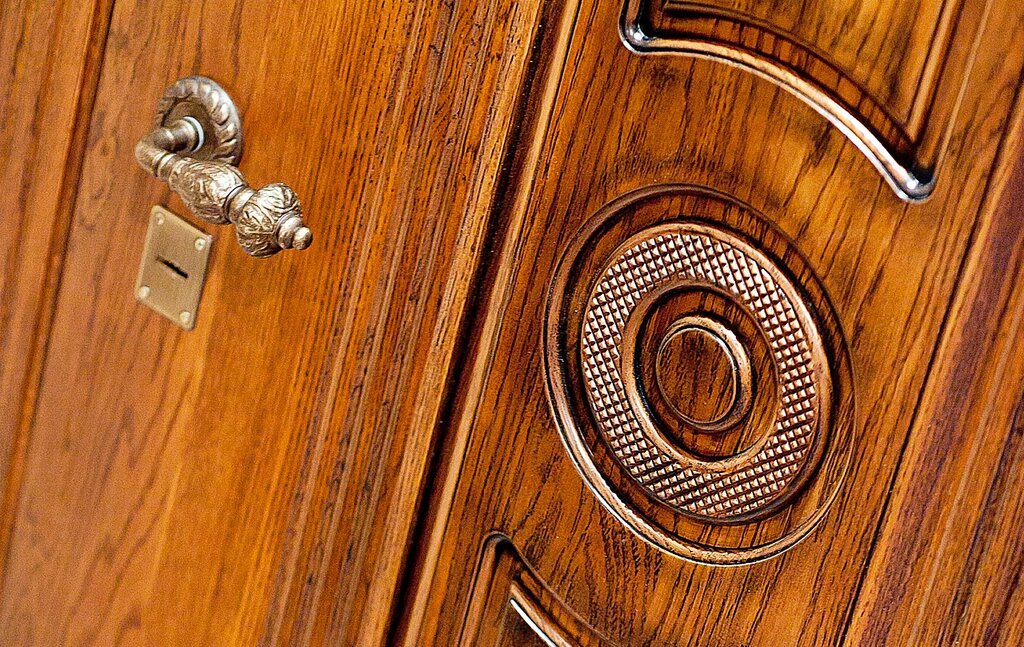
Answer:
(506, 584)
(887, 144)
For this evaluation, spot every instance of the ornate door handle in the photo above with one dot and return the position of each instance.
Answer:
(194, 148)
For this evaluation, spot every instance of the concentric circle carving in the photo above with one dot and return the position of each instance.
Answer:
(709, 344)
(701, 384)
(702, 255)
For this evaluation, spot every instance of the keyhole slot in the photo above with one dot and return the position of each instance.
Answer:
(173, 268)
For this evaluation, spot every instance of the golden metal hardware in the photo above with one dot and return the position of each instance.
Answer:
(194, 148)
(173, 268)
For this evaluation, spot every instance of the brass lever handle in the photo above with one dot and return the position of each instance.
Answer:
(194, 148)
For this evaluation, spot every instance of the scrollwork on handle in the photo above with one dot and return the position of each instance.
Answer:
(266, 221)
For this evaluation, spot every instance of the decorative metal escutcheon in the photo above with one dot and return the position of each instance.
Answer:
(195, 146)
(173, 268)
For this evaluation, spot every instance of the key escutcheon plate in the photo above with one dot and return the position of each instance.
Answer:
(173, 268)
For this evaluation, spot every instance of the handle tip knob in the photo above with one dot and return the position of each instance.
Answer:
(292, 232)
(270, 220)
(302, 238)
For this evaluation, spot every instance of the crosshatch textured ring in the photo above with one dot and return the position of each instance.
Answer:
(762, 356)
(704, 256)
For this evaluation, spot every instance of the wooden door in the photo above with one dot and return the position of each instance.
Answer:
(638, 322)
(253, 480)
(747, 369)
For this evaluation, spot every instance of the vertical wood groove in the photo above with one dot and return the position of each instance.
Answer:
(67, 192)
(994, 189)
(415, 607)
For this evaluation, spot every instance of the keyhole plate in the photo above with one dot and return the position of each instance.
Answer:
(173, 268)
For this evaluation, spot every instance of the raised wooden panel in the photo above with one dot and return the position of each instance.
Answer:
(608, 122)
(888, 73)
(889, 63)
(402, 436)
(51, 53)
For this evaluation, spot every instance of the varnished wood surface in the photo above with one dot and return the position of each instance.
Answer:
(355, 445)
(50, 53)
(891, 270)
(883, 46)
(956, 504)
(897, 102)
(254, 480)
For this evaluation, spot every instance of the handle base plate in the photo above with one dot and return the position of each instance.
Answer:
(209, 104)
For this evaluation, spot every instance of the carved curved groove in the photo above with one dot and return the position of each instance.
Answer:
(505, 584)
(892, 154)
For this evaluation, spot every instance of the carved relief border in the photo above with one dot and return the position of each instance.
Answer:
(908, 153)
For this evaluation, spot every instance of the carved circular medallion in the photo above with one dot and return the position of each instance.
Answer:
(701, 384)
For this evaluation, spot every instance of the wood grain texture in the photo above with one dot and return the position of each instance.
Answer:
(51, 53)
(355, 445)
(255, 480)
(956, 503)
(888, 74)
(890, 268)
